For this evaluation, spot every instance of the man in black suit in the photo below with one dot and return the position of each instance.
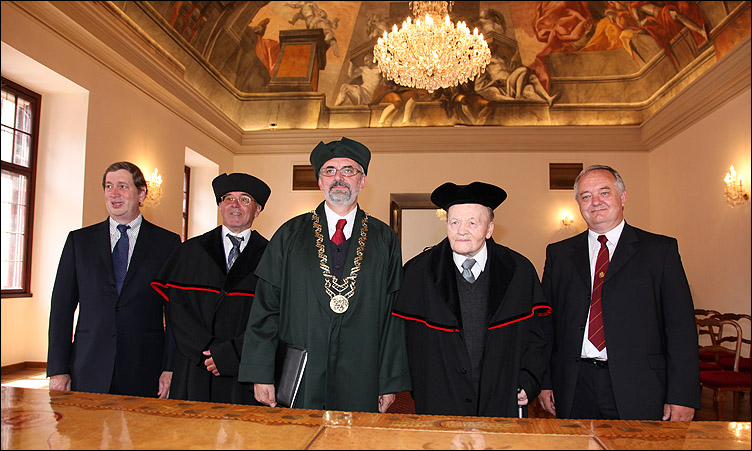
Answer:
(634, 354)
(120, 344)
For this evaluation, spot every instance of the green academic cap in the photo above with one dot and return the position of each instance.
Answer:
(344, 148)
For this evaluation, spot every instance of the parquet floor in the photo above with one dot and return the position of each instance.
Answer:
(35, 378)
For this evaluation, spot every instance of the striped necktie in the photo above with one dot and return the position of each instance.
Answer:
(235, 251)
(596, 335)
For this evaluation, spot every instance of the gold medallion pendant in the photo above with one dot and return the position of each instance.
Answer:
(339, 304)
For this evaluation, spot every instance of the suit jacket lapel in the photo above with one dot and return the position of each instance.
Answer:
(102, 243)
(143, 244)
(581, 257)
(625, 249)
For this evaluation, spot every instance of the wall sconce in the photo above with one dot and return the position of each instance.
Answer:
(567, 219)
(441, 214)
(154, 194)
(735, 194)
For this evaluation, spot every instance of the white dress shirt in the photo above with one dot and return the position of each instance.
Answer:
(588, 349)
(246, 234)
(132, 233)
(332, 218)
(480, 261)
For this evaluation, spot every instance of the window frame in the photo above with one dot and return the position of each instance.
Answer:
(35, 100)
(186, 200)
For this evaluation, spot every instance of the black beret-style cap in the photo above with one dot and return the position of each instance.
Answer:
(481, 193)
(344, 148)
(246, 183)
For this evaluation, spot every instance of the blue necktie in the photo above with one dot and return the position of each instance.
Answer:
(120, 257)
(235, 251)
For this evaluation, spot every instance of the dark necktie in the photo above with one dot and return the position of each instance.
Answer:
(339, 236)
(466, 273)
(596, 335)
(235, 251)
(120, 256)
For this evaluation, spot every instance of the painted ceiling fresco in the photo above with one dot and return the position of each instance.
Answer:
(553, 63)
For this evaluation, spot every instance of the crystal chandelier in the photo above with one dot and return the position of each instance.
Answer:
(429, 53)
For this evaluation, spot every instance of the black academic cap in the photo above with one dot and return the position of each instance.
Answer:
(481, 193)
(344, 148)
(246, 183)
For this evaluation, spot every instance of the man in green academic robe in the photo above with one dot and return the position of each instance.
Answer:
(327, 283)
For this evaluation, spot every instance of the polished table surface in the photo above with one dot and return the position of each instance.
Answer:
(43, 419)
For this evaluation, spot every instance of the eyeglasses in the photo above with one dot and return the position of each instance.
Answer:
(244, 199)
(347, 171)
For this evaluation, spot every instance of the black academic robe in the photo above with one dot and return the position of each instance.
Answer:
(440, 366)
(353, 357)
(208, 309)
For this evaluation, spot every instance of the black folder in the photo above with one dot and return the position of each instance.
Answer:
(289, 368)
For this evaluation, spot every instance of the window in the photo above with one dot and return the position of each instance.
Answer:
(186, 201)
(20, 136)
(563, 175)
(304, 178)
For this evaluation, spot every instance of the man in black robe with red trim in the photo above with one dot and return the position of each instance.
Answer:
(471, 309)
(210, 284)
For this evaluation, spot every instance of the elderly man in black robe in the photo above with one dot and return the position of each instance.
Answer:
(471, 309)
(327, 283)
(210, 284)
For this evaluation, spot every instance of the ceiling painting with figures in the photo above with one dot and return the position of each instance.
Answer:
(310, 64)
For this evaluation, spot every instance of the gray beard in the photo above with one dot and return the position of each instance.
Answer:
(340, 199)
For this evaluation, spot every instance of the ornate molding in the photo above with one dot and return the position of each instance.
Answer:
(122, 47)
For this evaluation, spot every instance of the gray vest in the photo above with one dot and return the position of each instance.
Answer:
(474, 310)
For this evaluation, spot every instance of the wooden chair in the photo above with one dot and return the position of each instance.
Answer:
(703, 313)
(727, 362)
(709, 360)
(724, 381)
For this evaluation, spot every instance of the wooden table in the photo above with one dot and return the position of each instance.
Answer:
(43, 419)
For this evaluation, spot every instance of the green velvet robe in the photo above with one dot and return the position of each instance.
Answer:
(353, 357)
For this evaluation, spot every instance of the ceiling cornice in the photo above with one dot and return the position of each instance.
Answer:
(118, 44)
(453, 139)
(142, 63)
(725, 80)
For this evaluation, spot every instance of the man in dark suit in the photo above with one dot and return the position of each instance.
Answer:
(634, 354)
(120, 344)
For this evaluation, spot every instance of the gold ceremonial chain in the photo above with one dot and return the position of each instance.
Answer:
(339, 303)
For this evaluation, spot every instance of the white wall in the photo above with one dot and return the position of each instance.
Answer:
(202, 208)
(686, 179)
(420, 229)
(527, 221)
(58, 203)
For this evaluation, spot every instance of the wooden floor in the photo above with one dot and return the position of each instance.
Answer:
(35, 378)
